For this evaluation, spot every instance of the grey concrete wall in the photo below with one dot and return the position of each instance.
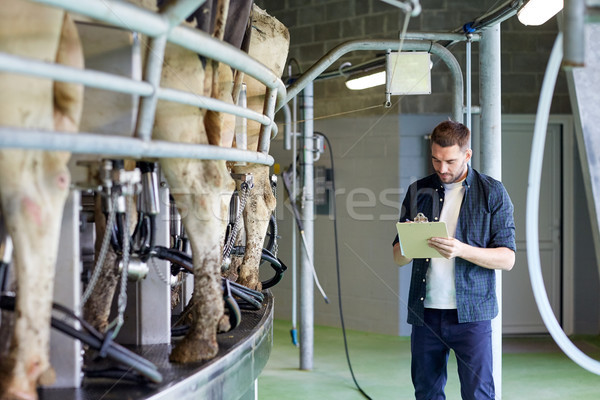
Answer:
(366, 156)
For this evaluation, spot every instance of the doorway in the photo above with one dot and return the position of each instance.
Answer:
(520, 312)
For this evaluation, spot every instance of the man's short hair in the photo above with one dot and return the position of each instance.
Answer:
(449, 133)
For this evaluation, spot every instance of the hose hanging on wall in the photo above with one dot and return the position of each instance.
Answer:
(287, 184)
(533, 197)
(337, 267)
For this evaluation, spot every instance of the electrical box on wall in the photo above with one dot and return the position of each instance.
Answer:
(408, 73)
(324, 195)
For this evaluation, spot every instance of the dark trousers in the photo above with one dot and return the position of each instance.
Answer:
(430, 347)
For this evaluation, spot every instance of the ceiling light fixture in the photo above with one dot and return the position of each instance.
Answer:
(537, 12)
(366, 80)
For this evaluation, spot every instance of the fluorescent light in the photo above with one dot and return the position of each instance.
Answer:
(362, 81)
(536, 12)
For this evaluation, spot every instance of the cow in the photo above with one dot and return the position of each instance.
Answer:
(269, 42)
(34, 184)
(202, 188)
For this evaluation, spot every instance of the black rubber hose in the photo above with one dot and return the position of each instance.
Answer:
(138, 231)
(247, 298)
(235, 314)
(272, 233)
(277, 265)
(175, 256)
(3, 276)
(254, 293)
(337, 266)
(180, 330)
(147, 233)
(114, 238)
(89, 328)
(114, 373)
(120, 226)
(94, 339)
(111, 351)
(185, 261)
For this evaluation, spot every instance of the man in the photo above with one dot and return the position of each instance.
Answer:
(452, 299)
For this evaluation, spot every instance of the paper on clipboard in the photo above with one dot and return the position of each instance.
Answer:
(413, 238)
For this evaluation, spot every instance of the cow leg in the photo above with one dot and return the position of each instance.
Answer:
(269, 44)
(34, 184)
(203, 206)
(220, 126)
(259, 206)
(202, 190)
(97, 308)
(33, 218)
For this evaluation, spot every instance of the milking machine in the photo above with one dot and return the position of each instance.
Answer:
(134, 245)
(141, 247)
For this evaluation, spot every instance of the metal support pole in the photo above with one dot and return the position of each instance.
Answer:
(306, 278)
(491, 157)
(152, 75)
(290, 141)
(265, 130)
(468, 83)
(294, 224)
(574, 36)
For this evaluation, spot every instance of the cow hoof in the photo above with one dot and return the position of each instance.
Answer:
(230, 274)
(251, 283)
(19, 395)
(16, 392)
(191, 350)
(47, 378)
(224, 324)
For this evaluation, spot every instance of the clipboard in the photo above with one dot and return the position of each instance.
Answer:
(413, 238)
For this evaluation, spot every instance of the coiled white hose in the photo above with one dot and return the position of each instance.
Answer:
(533, 197)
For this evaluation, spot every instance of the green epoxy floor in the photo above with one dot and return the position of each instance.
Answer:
(533, 368)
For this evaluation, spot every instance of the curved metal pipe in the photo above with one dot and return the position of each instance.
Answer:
(532, 217)
(133, 18)
(203, 43)
(358, 45)
(287, 127)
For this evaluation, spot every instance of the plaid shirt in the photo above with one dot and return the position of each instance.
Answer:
(485, 220)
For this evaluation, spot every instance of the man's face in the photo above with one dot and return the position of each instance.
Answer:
(450, 163)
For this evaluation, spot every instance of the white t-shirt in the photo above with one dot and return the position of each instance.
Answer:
(440, 288)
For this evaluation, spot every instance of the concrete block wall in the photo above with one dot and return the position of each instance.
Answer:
(366, 156)
(317, 26)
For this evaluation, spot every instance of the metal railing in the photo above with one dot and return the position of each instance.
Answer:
(162, 27)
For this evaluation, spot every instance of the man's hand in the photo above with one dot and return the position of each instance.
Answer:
(448, 247)
(491, 258)
(398, 257)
